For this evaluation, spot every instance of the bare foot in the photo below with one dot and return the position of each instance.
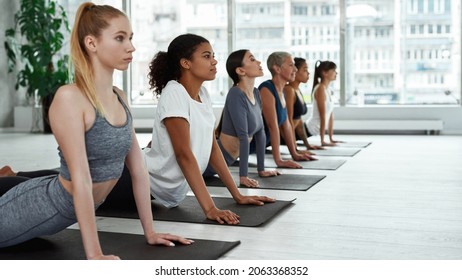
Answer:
(6, 171)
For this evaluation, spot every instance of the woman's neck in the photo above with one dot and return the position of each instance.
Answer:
(103, 82)
(192, 86)
(247, 86)
(295, 84)
(279, 83)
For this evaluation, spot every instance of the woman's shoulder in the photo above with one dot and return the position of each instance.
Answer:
(235, 96)
(289, 89)
(235, 93)
(267, 83)
(173, 90)
(318, 88)
(173, 86)
(70, 99)
(68, 93)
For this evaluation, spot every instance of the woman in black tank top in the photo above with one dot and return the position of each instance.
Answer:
(296, 106)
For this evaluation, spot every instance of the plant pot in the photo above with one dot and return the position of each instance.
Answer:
(28, 119)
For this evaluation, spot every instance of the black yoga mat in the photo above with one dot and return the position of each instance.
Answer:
(328, 151)
(67, 245)
(189, 211)
(292, 182)
(320, 164)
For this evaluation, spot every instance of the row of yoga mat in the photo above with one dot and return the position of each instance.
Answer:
(67, 245)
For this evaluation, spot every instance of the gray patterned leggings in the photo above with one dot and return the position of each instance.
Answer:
(33, 208)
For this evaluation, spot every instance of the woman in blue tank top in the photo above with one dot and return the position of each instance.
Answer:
(93, 128)
(277, 124)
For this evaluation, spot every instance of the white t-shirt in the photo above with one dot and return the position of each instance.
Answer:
(168, 184)
(313, 123)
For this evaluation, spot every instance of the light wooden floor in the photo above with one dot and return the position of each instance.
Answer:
(399, 198)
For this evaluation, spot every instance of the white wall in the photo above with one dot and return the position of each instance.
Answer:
(451, 116)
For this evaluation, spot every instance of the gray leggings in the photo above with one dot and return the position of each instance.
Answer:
(209, 171)
(36, 207)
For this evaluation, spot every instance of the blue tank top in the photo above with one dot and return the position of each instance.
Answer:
(106, 146)
(281, 112)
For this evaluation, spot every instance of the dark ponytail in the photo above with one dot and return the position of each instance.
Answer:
(234, 61)
(319, 68)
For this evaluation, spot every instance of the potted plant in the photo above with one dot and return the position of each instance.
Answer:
(34, 44)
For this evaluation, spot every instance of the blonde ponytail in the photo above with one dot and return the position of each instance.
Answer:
(90, 19)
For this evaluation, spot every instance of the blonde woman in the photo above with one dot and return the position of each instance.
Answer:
(93, 127)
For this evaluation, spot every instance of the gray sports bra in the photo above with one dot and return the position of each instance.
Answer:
(106, 147)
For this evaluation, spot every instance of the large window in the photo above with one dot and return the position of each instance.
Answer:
(157, 23)
(393, 52)
(71, 7)
(403, 52)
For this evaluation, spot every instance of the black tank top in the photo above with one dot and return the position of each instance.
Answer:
(299, 106)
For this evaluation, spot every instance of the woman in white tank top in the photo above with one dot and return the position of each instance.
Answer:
(322, 117)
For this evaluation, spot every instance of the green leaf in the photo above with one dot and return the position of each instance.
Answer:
(36, 39)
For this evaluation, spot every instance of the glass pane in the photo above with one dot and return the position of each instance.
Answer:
(402, 52)
(71, 7)
(307, 29)
(157, 23)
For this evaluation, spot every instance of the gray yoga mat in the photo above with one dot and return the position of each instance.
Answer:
(350, 144)
(337, 151)
(292, 182)
(67, 245)
(189, 211)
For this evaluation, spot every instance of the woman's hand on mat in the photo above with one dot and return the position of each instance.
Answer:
(166, 239)
(335, 141)
(223, 216)
(254, 199)
(305, 152)
(328, 144)
(303, 157)
(248, 182)
(314, 147)
(104, 257)
(269, 173)
(288, 164)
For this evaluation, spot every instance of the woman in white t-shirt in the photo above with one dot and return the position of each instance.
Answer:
(322, 116)
(183, 141)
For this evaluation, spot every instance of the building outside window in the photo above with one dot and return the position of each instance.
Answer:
(397, 52)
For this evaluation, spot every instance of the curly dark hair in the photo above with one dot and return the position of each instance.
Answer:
(165, 66)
